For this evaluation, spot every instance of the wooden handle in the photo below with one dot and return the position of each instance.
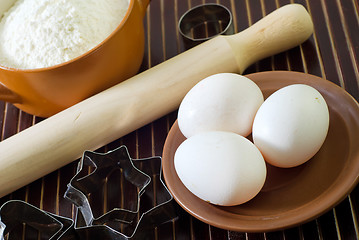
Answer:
(280, 30)
(117, 111)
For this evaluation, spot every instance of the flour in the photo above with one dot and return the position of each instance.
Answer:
(42, 33)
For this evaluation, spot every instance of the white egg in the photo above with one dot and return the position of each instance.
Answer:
(222, 168)
(221, 102)
(291, 125)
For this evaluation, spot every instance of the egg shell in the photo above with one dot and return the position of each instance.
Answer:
(222, 168)
(291, 125)
(221, 102)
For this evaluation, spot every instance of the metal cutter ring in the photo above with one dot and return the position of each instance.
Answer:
(204, 22)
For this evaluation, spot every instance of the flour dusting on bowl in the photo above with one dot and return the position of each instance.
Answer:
(43, 33)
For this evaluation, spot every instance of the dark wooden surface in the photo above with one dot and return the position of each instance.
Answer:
(332, 53)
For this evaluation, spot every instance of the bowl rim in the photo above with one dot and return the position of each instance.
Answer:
(333, 195)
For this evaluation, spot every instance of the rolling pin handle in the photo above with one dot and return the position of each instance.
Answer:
(283, 29)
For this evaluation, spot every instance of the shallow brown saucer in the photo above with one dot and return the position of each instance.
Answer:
(290, 196)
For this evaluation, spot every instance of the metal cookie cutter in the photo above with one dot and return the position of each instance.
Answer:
(91, 182)
(204, 22)
(146, 205)
(132, 219)
(14, 214)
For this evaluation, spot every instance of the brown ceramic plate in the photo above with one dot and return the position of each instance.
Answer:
(290, 196)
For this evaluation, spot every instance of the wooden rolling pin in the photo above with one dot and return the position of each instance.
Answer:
(117, 111)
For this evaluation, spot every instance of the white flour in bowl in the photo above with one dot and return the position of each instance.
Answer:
(43, 33)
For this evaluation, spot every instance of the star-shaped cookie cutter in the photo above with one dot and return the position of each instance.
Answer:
(85, 183)
(137, 219)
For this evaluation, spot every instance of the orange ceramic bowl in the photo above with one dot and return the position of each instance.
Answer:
(46, 91)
